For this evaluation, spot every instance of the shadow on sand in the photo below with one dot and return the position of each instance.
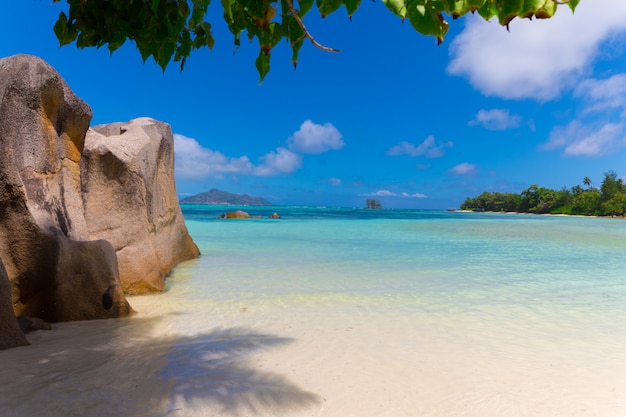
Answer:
(118, 368)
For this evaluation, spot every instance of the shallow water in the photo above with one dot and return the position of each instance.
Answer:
(340, 312)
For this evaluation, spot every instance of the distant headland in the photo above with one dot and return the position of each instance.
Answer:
(218, 197)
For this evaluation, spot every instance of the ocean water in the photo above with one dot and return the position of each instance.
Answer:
(349, 312)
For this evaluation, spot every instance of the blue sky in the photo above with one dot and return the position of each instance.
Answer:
(393, 116)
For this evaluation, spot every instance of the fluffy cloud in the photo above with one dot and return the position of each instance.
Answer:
(537, 59)
(604, 94)
(428, 148)
(313, 138)
(335, 182)
(195, 162)
(387, 193)
(281, 161)
(464, 169)
(577, 139)
(496, 119)
(601, 126)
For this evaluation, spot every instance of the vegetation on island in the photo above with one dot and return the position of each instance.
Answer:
(218, 197)
(607, 200)
(169, 30)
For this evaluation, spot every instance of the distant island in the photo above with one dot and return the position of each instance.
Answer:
(218, 197)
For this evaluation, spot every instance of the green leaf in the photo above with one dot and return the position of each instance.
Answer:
(118, 39)
(263, 64)
(63, 30)
(275, 31)
(228, 12)
(458, 8)
(305, 6)
(256, 8)
(397, 7)
(326, 7)
(144, 49)
(473, 5)
(184, 47)
(296, 50)
(508, 10)
(530, 7)
(547, 10)
(351, 6)
(426, 20)
(572, 4)
(295, 31)
(210, 41)
(488, 10)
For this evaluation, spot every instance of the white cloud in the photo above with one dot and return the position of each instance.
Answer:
(601, 126)
(577, 139)
(313, 138)
(464, 169)
(381, 193)
(278, 162)
(604, 94)
(416, 195)
(195, 162)
(387, 193)
(496, 119)
(536, 59)
(427, 148)
(335, 182)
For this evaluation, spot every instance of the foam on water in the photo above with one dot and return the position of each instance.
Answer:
(338, 312)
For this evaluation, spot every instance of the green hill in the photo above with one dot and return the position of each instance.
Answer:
(216, 196)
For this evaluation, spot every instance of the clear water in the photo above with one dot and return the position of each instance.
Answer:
(416, 259)
(347, 312)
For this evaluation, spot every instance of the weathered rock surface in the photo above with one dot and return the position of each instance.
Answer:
(55, 273)
(10, 333)
(130, 200)
(77, 214)
(28, 324)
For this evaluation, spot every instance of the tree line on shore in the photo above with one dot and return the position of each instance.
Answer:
(607, 200)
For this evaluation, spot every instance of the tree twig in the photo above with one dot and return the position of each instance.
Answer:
(307, 34)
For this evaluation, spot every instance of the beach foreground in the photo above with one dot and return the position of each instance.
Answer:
(457, 314)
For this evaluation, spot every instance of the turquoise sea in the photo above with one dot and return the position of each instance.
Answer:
(354, 312)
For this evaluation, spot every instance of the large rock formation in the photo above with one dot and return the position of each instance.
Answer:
(130, 200)
(55, 273)
(10, 333)
(78, 213)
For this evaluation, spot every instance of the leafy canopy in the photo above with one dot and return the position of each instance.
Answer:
(608, 200)
(169, 30)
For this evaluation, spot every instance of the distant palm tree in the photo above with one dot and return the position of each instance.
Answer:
(587, 181)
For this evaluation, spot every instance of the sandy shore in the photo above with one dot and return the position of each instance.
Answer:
(303, 359)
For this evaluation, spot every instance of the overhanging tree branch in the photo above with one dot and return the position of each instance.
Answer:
(168, 30)
(307, 34)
